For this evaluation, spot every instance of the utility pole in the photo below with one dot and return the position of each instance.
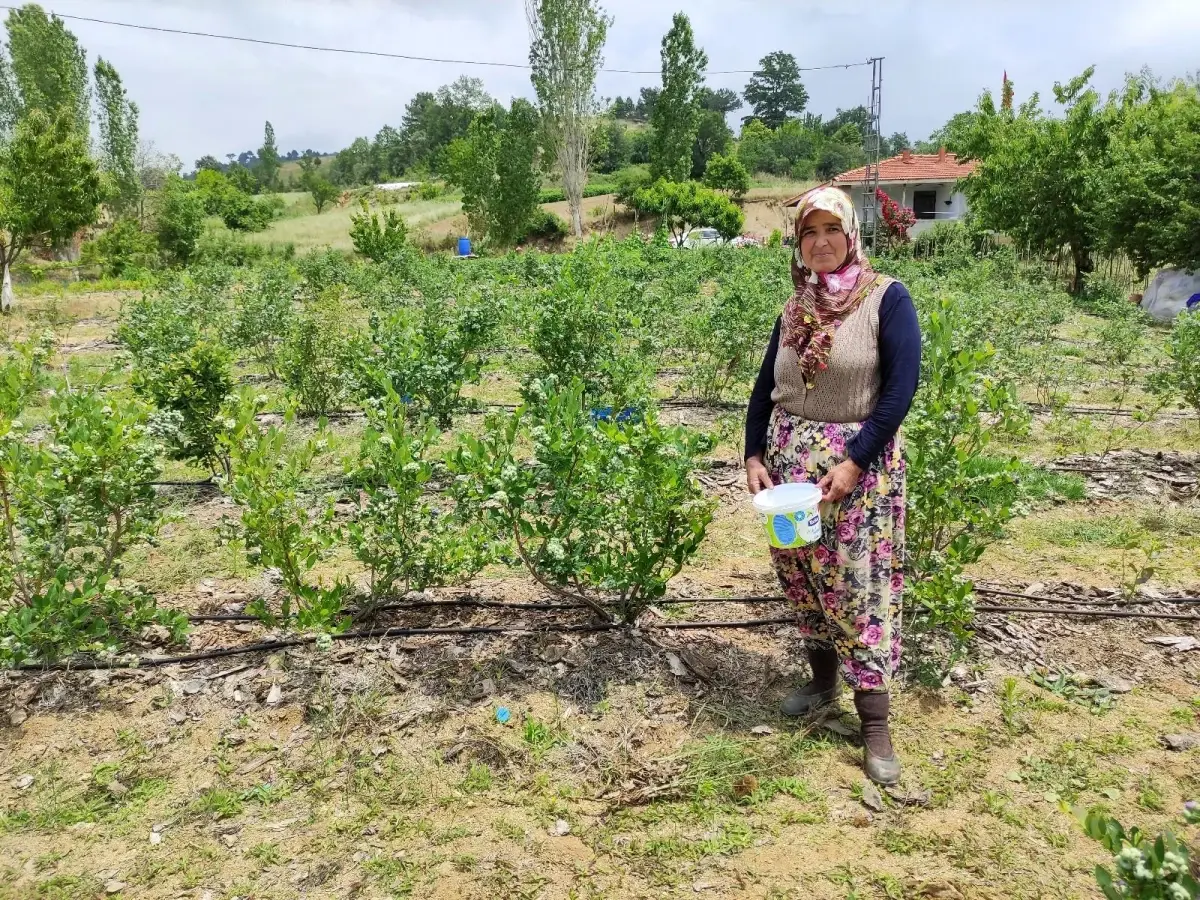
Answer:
(872, 146)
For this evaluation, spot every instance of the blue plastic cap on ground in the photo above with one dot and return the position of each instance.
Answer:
(503, 715)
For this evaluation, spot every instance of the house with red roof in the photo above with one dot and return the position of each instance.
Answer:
(925, 181)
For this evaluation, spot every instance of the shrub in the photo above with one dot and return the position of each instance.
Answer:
(174, 316)
(374, 240)
(214, 189)
(320, 270)
(725, 336)
(684, 205)
(408, 537)
(426, 353)
(895, 219)
(579, 332)
(192, 387)
(271, 476)
(428, 190)
(544, 225)
(775, 240)
(725, 173)
(74, 499)
(629, 181)
(229, 248)
(262, 314)
(241, 212)
(321, 353)
(123, 250)
(954, 509)
(1146, 868)
(1181, 377)
(179, 220)
(593, 189)
(603, 512)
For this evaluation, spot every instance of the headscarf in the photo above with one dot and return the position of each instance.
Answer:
(823, 301)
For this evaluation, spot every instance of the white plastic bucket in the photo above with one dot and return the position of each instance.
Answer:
(790, 514)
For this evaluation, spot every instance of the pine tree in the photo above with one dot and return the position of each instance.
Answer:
(775, 91)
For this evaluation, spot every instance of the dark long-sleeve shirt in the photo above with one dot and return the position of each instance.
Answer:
(899, 364)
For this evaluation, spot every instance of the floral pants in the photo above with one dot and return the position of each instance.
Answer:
(848, 588)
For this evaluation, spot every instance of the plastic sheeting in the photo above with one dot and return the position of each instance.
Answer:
(1171, 292)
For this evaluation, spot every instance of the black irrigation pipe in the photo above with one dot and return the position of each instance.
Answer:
(1115, 601)
(1099, 613)
(457, 631)
(471, 603)
(1042, 408)
(366, 634)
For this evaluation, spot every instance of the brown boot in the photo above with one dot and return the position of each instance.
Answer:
(824, 687)
(880, 760)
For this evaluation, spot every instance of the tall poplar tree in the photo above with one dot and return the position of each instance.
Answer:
(118, 120)
(46, 68)
(676, 115)
(566, 40)
(268, 159)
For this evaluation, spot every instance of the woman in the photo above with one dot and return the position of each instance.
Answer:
(837, 381)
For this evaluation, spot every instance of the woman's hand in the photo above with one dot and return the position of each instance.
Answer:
(839, 482)
(757, 476)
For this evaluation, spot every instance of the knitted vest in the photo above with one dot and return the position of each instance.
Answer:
(848, 389)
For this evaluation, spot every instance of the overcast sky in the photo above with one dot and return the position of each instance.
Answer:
(201, 96)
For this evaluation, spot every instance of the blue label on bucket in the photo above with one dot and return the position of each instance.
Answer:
(785, 529)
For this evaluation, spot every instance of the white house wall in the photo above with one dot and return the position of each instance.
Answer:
(951, 204)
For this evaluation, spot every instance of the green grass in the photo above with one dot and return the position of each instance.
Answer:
(477, 780)
(219, 803)
(1033, 484)
(541, 737)
(332, 227)
(1115, 532)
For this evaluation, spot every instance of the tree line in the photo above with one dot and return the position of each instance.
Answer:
(51, 182)
(1104, 175)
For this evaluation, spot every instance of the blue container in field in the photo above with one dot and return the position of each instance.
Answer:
(608, 414)
(464, 246)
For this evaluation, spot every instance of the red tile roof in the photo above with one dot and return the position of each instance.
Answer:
(907, 167)
(913, 167)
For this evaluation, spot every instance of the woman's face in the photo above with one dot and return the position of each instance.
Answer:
(823, 244)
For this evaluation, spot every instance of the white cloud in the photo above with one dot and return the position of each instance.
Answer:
(204, 96)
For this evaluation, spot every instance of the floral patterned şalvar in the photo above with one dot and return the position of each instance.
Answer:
(848, 588)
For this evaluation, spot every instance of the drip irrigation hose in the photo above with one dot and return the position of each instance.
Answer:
(470, 603)
(1114, 601)
(400, 631)
(367, 633)
(1100, 613)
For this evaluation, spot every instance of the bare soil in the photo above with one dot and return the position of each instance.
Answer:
(632, 764)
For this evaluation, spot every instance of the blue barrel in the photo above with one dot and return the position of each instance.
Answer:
(464, 246)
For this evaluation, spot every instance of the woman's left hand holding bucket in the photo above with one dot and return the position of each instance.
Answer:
(839, 481)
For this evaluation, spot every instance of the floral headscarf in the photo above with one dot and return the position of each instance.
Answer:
(822, 302)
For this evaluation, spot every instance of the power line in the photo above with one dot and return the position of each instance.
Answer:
(405, 56)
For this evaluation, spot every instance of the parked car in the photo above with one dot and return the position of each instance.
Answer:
(699, 237)
(710, 237)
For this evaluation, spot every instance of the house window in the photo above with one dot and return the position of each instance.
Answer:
(924, 204)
